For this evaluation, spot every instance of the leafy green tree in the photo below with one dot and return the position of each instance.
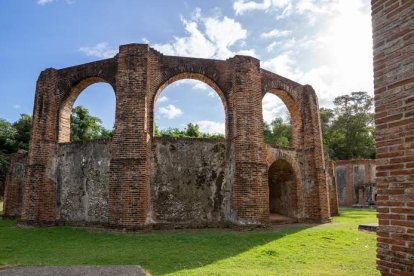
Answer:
(23, 128)
(193, 130)
(277, 133)
(13, 137)
(348, 129)
(7, 137)
(84, 126)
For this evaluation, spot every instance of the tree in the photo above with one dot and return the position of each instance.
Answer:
(84, 126)
(193, 130)
(277, 133)
(23, 128)
(13, 137)
(7, 137)
(348, 129)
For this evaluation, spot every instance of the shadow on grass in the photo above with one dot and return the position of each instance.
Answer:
(157, 252)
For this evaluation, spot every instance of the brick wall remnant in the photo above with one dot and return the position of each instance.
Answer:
(138, 74)
(14, 189)
(393, 40)
(355, 180)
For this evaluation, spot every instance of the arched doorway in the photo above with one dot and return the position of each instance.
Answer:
(283, 198)
(87, 114)
(90, 108)
(188, 180)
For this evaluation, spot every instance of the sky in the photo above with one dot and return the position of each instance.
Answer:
(324, 43)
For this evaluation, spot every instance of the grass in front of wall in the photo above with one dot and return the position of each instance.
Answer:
(337, 248)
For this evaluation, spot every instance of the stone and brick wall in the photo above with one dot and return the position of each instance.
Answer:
(355, 180)
(14, 189)
(138, 74)
(393, 40)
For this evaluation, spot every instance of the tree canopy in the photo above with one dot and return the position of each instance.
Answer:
(348, 128)
(192, 130)
(278, 132)
(84, 126)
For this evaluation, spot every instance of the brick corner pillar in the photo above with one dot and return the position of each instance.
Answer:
(39, 192)
(250, 193)
(128, 199)
(393, 56)
(317, 202)
(14, 185)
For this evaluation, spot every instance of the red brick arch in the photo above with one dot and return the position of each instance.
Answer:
(295, 115)
(193, 76)
(66, 106)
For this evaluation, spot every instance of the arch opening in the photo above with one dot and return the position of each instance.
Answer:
(282, 190)
(282, 120)
(189, 105)
(88, 113)
(188, 183)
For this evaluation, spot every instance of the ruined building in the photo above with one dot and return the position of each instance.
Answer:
(137, 180)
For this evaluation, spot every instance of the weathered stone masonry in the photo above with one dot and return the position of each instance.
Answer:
(138, 74)
(393, 37)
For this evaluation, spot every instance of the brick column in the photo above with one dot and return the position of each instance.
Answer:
(128, 197)
(250, 199)
(317, 200)
(393, 35)
(39, 193)
(14, 185)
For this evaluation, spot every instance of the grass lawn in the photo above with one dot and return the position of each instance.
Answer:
(331, 249)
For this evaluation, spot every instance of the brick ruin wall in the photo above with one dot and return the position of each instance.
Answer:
(393, 41)
(355, 180)
(188, 183)
(137, 75)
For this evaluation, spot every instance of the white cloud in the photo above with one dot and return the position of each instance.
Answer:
(44, 2)
(250, 52)
(283, 65)
(223, 34)
(196, 84)
(335, 57)
(170, 111)
(162, 99)
(201, 86)
(100, 50)
(272, 46)
(276, 33)
(211, 127)
(208, 37)
(213, 94)
(242, 6)
(17, 106)
(273, 107)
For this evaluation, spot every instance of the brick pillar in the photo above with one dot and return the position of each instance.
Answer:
(250, 199)
(393, 36)
(128, 197)
(333, 189)
(39, 193)
(317, 200)
(14, 185)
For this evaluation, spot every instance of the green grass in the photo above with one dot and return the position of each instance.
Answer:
(331, 249)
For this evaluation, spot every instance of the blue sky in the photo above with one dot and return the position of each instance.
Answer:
(323, 43)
